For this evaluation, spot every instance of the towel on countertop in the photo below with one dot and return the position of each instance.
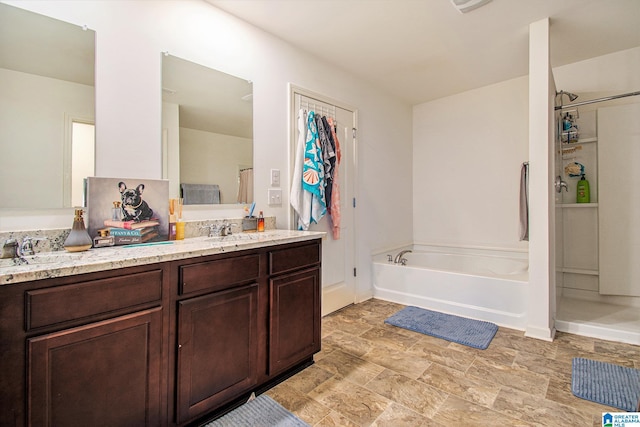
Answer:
(200, 194)
(524, 202)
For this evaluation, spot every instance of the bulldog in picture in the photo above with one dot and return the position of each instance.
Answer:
(133, 207)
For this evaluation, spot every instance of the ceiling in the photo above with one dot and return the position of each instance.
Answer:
(420, 50)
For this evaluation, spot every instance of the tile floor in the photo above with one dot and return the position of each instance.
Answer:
(372, 374)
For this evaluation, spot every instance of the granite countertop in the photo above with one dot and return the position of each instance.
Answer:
(58, 264)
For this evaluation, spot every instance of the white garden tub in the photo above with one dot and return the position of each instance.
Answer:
(479, 285)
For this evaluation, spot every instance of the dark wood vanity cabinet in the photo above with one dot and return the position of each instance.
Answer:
(83, 350)
(217, 333)
(294, 312)
(217, 349)
(105, 373)
(242, 321)
(158, 345)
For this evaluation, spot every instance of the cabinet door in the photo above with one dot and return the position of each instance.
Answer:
(101, 374)
(217, 349)
(294, 319)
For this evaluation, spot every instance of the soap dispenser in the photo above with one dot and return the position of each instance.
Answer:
(79, 239)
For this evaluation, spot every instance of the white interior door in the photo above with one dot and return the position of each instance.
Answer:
(338, 255)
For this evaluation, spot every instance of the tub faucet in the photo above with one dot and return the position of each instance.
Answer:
(399, 258)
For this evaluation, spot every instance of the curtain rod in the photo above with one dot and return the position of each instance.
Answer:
(606, 98)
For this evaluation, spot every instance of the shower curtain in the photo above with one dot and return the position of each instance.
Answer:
(245, 188)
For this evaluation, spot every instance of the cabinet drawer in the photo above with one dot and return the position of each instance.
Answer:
(290, 259)
(50, 306)
(218, 274)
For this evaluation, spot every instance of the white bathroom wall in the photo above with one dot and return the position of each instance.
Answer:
(171, 147)
(130, 36)
(198, 147)
(605, 75)
(467, 154)
(36, 107)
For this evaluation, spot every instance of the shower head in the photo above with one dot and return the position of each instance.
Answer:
(572, 96)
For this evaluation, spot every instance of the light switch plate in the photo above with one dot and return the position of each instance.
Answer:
(275, 178)
(274, 196)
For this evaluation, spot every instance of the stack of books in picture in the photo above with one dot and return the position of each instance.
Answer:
(128, 232)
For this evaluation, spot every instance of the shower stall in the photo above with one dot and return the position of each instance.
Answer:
(597, 243)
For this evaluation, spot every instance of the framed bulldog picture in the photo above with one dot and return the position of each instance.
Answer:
(125, 211)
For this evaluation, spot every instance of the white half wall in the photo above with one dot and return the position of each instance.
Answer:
(541, 301)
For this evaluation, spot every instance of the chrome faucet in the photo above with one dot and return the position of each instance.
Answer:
(219, 230)
(399, 258)
(26, 248)
(226, 229)
(214, 230)
(11, 248)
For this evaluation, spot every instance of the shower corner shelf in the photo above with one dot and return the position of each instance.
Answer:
(580, 141)
(578, 205)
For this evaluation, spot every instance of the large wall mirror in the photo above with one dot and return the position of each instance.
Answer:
(207, 134)
(47, 110)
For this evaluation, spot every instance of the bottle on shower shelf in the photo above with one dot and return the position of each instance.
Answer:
(583, 194)
(567, 122)
(569, 129)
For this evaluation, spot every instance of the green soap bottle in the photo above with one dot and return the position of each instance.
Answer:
(582, 194)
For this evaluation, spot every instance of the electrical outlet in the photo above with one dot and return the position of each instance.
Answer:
(274, 196)
(275, 178)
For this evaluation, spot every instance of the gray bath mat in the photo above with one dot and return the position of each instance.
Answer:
(259, 412)
(473, 333)
(605, 383)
